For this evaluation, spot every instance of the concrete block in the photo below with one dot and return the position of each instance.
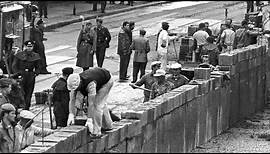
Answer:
(201, 123)
(100, 144)
(252, 91)
(177, 143)
(160, 133)
(167, 130)
(202, 73)
(235, 101)
(90, 147)
(49, 145)
(244, 98)
(218, 79)
(113, 136)
(191, 91)
(81, 149)
(134, 128)
(134, 144)
(149, 137)
(120, 148)
(131, 114)
(203, 86)
(243, 54)
(243, 66)
(33, 149)
(219, 103)
(226, 59)
(123, 126)
(251, 64)
(67, 143)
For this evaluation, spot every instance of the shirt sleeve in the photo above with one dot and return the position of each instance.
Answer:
(91, 88)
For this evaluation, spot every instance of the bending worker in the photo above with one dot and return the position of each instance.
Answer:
(95, 83)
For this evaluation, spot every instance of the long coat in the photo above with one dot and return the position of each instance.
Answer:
(39, 45)
(86, 44)
(124, 43)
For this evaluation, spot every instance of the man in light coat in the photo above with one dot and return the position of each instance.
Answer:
(163, 43)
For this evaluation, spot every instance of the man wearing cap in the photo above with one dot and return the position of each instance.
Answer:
(148, 79)
(161, 86)
(5, 88)
(176, 77)
(163, 43)
(26, 64)
(27, 131)
(94, 83)
(103, 38)
(9, 141)
(38, 38)
(60, 98)
(142, 48)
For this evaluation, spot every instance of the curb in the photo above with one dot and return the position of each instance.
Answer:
(93, 16)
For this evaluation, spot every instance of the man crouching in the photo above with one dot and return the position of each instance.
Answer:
(95, 83)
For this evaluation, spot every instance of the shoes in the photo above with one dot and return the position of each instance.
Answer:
(95, 136)
(122, 80)
(45, 72)
(106, 129)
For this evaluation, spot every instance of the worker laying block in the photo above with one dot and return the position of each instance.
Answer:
(95, 83)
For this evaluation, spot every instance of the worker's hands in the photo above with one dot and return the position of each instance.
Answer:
(71, 119)
(89, 124)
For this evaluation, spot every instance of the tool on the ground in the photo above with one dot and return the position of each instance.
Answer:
(140, 87)
(49, 101)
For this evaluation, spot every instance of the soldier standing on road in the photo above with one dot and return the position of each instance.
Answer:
(148, 79)
(94, 83)
(176, 77)
(85, 47)
(123, 50)
(8, 134)
(161, 86)
(60, 98)
(26, 64)
(141, 47)
(103, 41)
(39, 47)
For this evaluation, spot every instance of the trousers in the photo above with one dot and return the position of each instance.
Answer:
(124, 62)
(100, 55)
(138, 66)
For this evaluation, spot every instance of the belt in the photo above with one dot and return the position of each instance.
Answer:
(28, 70)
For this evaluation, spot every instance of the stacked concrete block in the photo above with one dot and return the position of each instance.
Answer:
(149, 137)
(202, 73)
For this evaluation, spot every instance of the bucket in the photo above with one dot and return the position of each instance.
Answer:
(41, 97)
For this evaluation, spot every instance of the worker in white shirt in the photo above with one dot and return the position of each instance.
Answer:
(199, 41)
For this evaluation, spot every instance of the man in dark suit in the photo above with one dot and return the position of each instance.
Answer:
(124, 51)
(103, 41)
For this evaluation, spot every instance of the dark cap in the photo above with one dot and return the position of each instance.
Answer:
(99, 20)
(5, 82)
(40, 21)
(164, 24)
(142, 32)
(67, 70)
(29, 43)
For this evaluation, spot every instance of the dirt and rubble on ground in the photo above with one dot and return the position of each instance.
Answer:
(251, 135)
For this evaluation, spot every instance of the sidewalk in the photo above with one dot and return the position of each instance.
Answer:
(61, 13)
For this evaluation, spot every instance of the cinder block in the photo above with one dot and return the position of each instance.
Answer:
(134, 128)
(161, 140)
(50, 146)
(191, 91)
(32, 149)
(82, 149)
(177, 143)
(134, 144)
(252, 91)
(243, 66)
(202, 73)
(90, 147)
(202, 111)
(167, 130)
(113, 136)
(244, 97)
(120, 148)
(100, 144)
(218, 79)
(252, 63)
(67, 144)
(234, 105)
(149, 137)
(226, 59)
(243, 54)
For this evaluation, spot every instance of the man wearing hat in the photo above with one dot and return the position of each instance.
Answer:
(141, 47)
(163, 43)
(94, 83)
(60, 98)
(161, 86)
(8, 133)
(26, 64)
(147, 80)
(27, 131)
(103, 38)
(176, 77)
(38, 38)
(5, 88)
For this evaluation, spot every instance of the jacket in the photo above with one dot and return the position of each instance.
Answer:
(9, 142)
(141, 47)
(103, 37)
(124, 43)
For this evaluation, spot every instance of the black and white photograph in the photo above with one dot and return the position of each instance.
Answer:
(134, 76)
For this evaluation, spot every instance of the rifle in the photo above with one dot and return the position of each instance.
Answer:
(50, 106)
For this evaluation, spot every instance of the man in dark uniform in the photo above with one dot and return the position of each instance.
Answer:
(95, 84)
(103, 41)
(26, 63)
(60, 98)
(39, 47)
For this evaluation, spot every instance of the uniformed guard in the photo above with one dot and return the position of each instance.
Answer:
(26, 64)
(176, 77)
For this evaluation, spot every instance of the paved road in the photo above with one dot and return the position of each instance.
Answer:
(61, 52)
